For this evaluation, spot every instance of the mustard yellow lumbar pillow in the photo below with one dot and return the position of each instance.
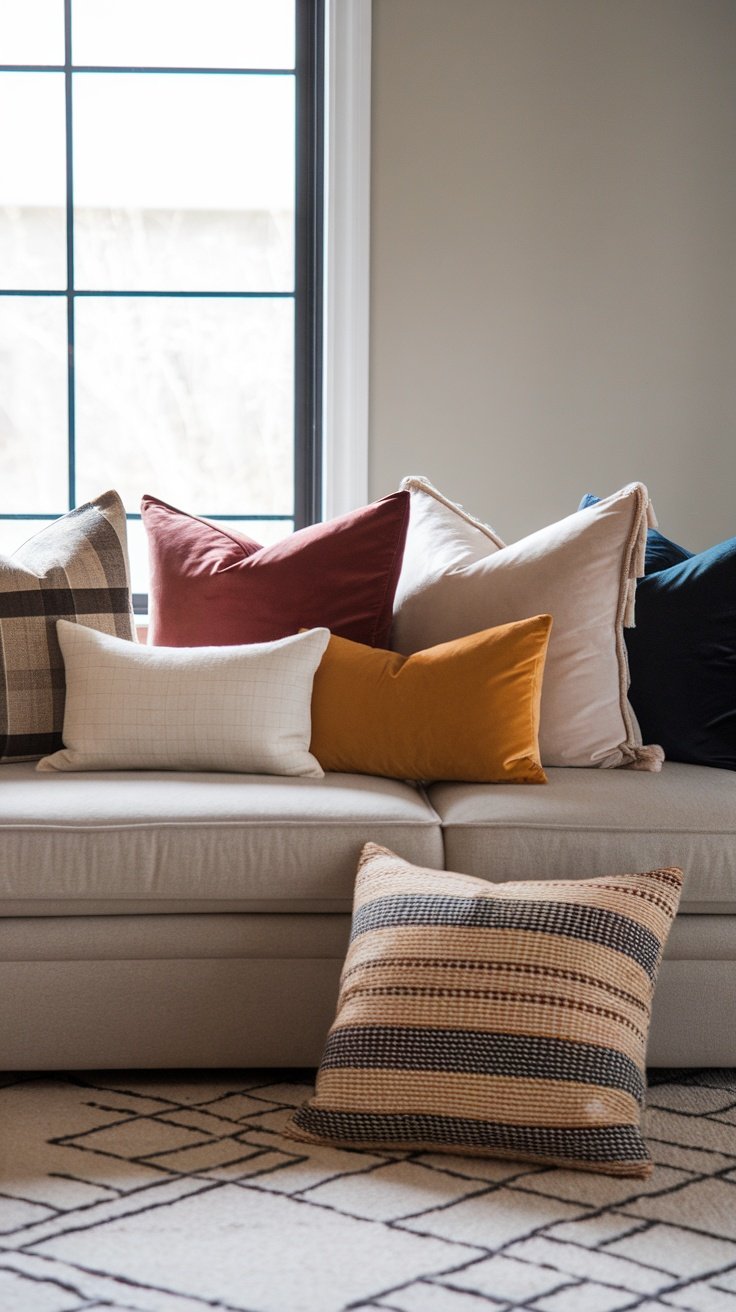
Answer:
(467, 709)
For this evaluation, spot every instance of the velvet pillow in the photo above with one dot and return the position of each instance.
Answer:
(582, 571)
(682, 653)
(504, 1020)
(465, 710)
(210, 586)
(76, 568)
(682, 656)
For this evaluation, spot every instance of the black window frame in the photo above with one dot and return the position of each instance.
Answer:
(307, 292)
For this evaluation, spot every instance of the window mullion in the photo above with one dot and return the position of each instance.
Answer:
(308, 262)
(71, 398)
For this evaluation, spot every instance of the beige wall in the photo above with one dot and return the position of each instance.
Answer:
(554, 255)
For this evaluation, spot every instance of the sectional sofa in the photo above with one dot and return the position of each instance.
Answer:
(177, 918)
(180, 919)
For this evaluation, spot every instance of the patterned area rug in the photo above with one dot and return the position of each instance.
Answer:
(176, 1192)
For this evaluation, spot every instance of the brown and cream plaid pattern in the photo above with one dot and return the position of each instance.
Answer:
(505, 1020)
(76, 569)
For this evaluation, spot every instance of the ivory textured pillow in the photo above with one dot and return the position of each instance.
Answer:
(504, 1020)
(77, 568)
(457, 579)
(130, 707)
(465, 710)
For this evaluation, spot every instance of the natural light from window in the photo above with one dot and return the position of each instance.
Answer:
(183, 255)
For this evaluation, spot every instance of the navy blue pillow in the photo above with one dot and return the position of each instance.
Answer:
(682, 657)
(682, 653)
(660, 551)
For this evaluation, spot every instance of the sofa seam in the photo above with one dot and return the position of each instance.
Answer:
(34, 826)
(586, 829)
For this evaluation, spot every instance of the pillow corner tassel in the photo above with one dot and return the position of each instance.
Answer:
(648, 757)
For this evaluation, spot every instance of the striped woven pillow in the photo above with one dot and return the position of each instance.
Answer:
(75, 569)
(506, 1020)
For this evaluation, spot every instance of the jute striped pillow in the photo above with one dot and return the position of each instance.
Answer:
(505, 1020)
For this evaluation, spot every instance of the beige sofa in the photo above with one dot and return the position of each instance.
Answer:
(201, 919)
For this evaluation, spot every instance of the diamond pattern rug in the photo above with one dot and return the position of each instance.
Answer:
(177, 1192)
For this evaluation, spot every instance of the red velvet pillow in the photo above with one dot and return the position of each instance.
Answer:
(212, 587)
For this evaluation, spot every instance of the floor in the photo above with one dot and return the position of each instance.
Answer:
(177, 1192)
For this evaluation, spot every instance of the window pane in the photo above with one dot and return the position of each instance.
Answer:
(33, 405)
(14, 532)
(191, 400)
(188, 33)
(32, 32)
(32, 181)
(184, 181)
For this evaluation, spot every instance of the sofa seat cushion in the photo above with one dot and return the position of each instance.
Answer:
(589, 822)
(127, 842)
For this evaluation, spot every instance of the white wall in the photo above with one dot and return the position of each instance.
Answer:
(553, 302)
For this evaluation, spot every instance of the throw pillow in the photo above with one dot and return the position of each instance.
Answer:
(467, 709)
(582, 571)
(76, 568)
(682, 653)
(660, 551)
(506, 1020)
(212, 586)
(682, 656)
(130, 707)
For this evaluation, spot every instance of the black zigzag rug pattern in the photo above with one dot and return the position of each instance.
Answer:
(178, 1192)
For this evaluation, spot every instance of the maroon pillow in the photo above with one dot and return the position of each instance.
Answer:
(213, 587)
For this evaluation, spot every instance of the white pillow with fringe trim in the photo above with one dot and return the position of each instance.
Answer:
(459, 577)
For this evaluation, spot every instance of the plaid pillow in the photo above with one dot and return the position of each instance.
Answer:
(507, 1020)
(76, 569)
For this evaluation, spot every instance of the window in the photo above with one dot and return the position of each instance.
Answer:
(160, 260)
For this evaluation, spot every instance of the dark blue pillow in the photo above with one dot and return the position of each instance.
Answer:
(660, 551)
(682, 653)
(682, 657)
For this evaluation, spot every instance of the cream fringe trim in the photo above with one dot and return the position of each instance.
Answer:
(646, 758)
(644, 518)
(417, 483)
(638, 757)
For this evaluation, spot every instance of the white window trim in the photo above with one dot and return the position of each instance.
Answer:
(347, 255)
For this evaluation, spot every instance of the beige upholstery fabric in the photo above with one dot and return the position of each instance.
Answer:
(77, 844)
(81, 1015)
(585, 823)
(242, 708)
(279, 936)
(69, 1000)
(582, 571)
(173, 938)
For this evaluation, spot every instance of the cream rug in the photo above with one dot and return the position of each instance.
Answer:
(176, 1192)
